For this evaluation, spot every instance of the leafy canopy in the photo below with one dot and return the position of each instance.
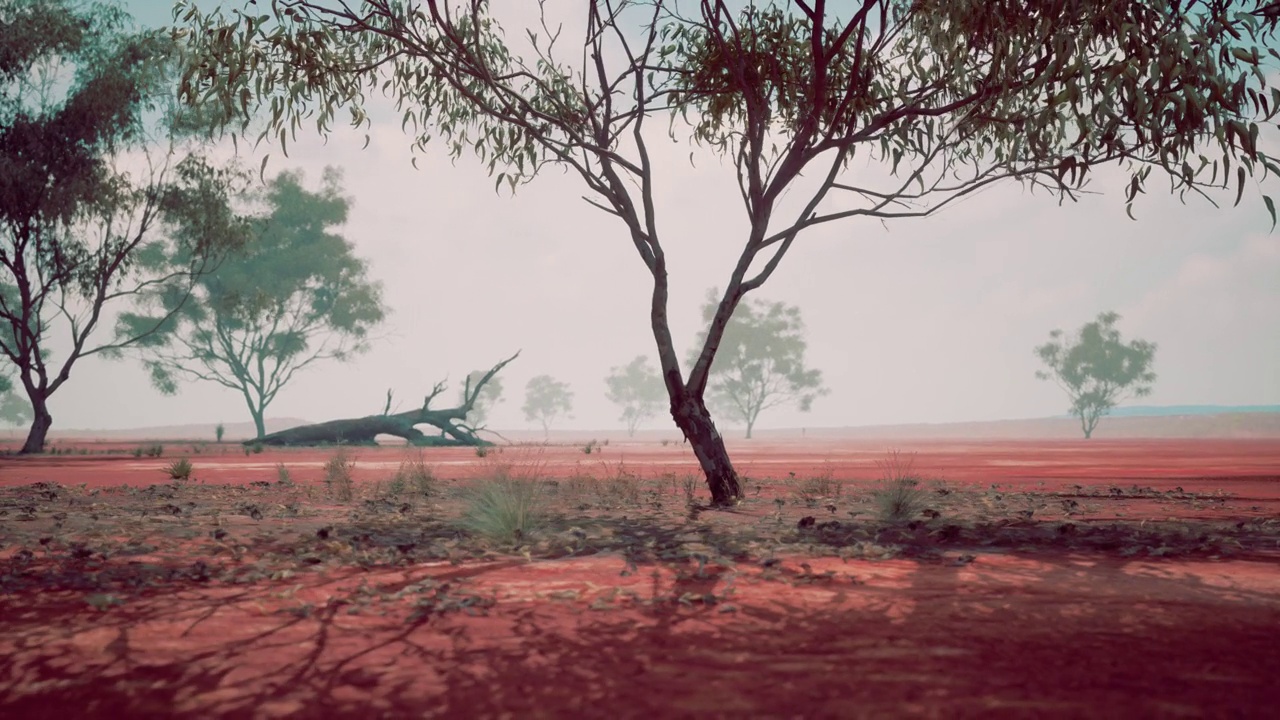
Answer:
(546, 399)
(1097, 369)
(964, 92)
(294, 295)
(761, 361)
(637, 389)
(92, 158)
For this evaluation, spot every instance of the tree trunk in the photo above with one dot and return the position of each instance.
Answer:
(750, 424)
(691, 416)
(40, 423)
(259, 423)
(363, 430)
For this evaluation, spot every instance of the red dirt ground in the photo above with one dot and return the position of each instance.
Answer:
(987, 631)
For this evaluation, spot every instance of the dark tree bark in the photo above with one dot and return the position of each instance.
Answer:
(694, 420)
(362, 430)
(41, 421)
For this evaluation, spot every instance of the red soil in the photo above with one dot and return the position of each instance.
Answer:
(1008, 634)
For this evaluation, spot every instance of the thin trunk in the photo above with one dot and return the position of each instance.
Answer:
(750, 424)
(692, 418)
(40, 423)
(259, 423)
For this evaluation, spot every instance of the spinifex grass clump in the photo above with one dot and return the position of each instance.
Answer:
(337, 475)
(899, 497)
(179, 469)
(503, 508)
(413, 476)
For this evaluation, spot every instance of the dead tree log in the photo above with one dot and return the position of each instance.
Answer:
(451, 423)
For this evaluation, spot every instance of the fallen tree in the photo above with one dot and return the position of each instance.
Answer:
(451, 422)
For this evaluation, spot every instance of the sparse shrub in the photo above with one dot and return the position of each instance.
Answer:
(689, 484)
(283, 476)
(179, 469)
(154, 451)
(899, 500)
(590, 447)
(900, 496)
(219, 431)
(257, 448)
(576, 489)
(622, 489)
(665, 442)
(482, 451)
(414, 476)
(812, 490)
(503, 508)
(137, 452)
(337, 475)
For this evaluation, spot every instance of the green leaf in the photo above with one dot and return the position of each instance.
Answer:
(1240, 175)
(1271, 208)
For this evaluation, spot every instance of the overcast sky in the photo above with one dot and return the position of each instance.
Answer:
(914, 321)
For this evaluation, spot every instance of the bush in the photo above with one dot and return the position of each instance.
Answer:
(811, 490)
(900, 497)
(337, 475)
(622, 489)
(219, 432)
(179, 469)
(283, 476)
(413, 475)
(503, 508)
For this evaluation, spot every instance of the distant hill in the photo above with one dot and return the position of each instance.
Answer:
(1166, 410)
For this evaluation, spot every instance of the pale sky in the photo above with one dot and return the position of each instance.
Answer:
(914, 321)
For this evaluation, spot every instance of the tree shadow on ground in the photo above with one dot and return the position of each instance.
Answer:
(733, 613)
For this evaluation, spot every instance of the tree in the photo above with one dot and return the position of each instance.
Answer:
(14, 409)
(637, 389)
(761, 361)
(87, 174)
(489, 395)
(1096, 369)
(364, 430)
(545, 399)
(293, 296)
(945, 97)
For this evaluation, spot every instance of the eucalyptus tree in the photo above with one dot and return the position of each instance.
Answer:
(545, 399)
(294, 295)
(488, 396)
(761, 362)
(1097, 369)
(95, 158)
(945, 97)
(636, 388)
